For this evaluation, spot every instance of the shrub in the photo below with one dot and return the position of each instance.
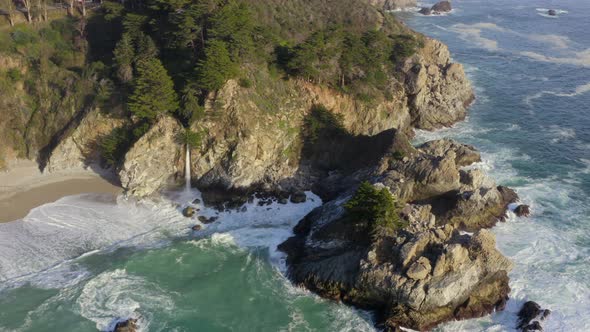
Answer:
(376, 209)
(14, 74)
(245, 83)
(189, 137)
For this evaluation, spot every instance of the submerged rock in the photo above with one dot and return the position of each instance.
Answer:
(188, 212)
(530, 317)
(129, 325)
(552, 12)
(522, 211)
(196, 228)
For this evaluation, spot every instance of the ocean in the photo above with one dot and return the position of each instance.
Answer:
(85, 261)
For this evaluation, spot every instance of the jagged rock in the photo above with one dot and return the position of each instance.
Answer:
(442, 7)
(298, 197)
(420, 269)
(522, 211)
(552, 12)
(425, 11)
(530, 317)
(129, 325)
(439, 92)
(418, 279)
(197, 201)
(465, 155)
(188, 212)
(151, 163)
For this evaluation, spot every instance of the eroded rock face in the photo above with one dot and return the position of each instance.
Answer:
(152, 161)
(438, 90)
(129, 325)
(80, 149)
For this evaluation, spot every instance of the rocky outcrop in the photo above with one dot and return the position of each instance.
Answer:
(152, 161)
(531, 316)
(423, 276)
(438, 9)
(442, 7)
(393, 4)
(430, 271)
(438, 90)
(80, 149)
(129, 325)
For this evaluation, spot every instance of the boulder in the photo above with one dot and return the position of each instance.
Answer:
(442, 7)
(522, 211)
(552, 12)
(530, 317)
(298, 197)
(420, 269)
(206, 220)
(196, 228)
(129, 325)
(465, 155)
(188, 212)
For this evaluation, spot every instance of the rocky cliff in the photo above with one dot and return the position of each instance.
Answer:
(253, 135)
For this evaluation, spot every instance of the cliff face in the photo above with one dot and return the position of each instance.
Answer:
(151, 162)
(79, 150)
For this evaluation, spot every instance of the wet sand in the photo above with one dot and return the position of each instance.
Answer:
(24, 188)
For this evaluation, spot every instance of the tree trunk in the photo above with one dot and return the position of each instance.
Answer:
(45, 17)
(71, 8)
(83, 8)
(27, 5)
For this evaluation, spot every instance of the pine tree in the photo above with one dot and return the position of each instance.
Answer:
(124, 55)
(217, 67)
(153, 94)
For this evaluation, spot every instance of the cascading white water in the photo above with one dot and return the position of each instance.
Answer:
(187, 168)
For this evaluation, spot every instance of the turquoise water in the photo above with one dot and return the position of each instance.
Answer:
(83, 262)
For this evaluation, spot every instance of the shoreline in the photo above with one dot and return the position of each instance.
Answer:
(24, 187)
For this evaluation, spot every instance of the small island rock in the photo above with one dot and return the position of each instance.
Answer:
(522, 211)
(188, 212)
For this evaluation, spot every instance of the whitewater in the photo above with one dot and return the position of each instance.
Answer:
(84, 262)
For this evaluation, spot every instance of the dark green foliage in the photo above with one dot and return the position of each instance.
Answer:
(112, 10)
(322, 122)
(153, 93)
(189, 137)
(14, 74)
(217, 67)
(404, 47)
(114, 145)
(245, 83)
(376, 209)
(234, 25)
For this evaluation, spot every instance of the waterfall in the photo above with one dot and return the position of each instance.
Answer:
(187, 168)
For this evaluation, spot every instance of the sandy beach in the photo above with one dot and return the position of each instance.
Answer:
(24, 187)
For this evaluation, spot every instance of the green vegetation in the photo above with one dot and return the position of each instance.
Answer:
(140, 60)
(321, 121)
(375, 208)
(189, 137)
(114, 146)
(153, 94)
